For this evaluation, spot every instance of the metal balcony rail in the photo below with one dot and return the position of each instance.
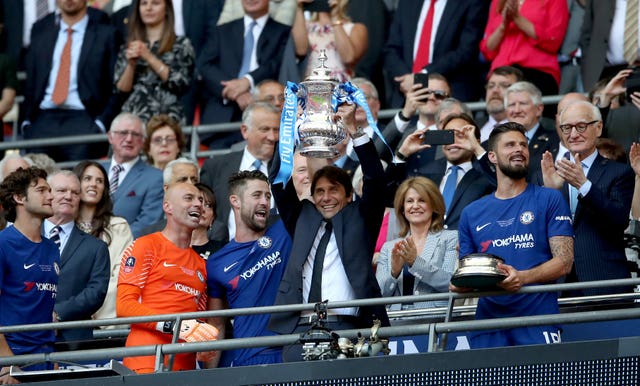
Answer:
(430, 329)
(192, 132)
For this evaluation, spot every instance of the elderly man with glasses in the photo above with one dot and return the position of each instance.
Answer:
(134, 185)
(599, 192)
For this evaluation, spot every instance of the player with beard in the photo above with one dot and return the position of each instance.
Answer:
(247, 271)
(530, 228)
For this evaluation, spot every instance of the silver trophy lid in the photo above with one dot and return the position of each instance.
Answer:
(321, 72)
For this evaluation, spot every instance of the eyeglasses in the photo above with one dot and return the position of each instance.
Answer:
(273, 98)
(580, 127)
(163, 140)
(126, 133)
(503, 85)
(438, 94)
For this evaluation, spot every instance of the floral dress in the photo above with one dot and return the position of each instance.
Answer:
(321, 37)
(150, 95)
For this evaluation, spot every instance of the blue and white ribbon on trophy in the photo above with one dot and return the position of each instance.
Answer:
(344, 93)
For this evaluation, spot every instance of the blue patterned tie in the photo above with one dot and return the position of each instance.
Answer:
(450, 186)
(54, 235)
(247, 50)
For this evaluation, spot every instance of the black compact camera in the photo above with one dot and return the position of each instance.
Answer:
(317, 6)
(632, 83)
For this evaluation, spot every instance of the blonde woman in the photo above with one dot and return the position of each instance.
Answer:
(423, 259)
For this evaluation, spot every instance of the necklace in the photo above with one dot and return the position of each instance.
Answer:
(85, 226)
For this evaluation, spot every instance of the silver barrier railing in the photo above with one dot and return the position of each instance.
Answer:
(192, 132)
(430, 329)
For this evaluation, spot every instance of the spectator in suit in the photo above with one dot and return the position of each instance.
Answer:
(602, 41)
(230, 74)
(570, 56)
(599, 192)
(139, 203)
(19, 18)
(499, 80)
(450, 47)
(423, 259)
(345, 273)
(260, 128)
(8, 88)
(343, 41)
(164, 140)
(425, 101)
(469, 184)
(270, 91)
(178, 170)
(373, 101)
(527, 35)
(84, 260)
(95, 217)
(69, 80)
(282, 11)
(11, 162)
(155, 67)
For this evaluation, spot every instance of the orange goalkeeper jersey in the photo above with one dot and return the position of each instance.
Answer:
(157, 277)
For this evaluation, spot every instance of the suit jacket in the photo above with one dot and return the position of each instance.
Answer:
(599, 223)
(95, 68)
(83, 282)
(222, 58)
(215, 173)
(355, 227)
(455, 50)
(594, 39)
(139, 203)
(432, 269)
(471, 187)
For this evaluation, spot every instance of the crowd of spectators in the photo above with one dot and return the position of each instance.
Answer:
(140, 70)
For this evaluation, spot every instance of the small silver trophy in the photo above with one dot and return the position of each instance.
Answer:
(319, 132)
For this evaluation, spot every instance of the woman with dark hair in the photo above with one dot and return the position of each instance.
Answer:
(424, 258)
(200, 237)
(164, 141)
(155, 67)
(96, 218)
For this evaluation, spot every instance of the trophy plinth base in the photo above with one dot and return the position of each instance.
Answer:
(315, 151)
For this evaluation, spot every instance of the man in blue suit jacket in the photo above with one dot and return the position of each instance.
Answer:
(89, 103)
(138, 197)
(84, 260)
(227, 92)
(458, 31)
(599, 192)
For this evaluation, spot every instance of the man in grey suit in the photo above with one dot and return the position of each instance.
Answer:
(136, 187)
(260, 128)
(84, 260)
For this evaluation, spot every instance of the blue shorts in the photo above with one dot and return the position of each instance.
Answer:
(515, 337)
(265, 357)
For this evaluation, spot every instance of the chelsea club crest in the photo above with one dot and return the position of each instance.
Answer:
(264, 242)
(527, 217)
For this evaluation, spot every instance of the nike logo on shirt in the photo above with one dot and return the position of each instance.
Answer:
(169, 265)
(481, 227)
(226, 269)
(28, 266)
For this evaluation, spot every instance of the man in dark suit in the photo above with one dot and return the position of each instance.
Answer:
(344, 271)
(599, 192)
(70, 80)
(373, 101)
(84, 260)
(470, 183)
(229, 75)
(456, 32)
(198, 20)
(602, 52)
(260, 128)
(136, 186)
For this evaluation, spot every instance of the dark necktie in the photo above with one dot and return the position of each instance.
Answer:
(315, 292)
(115, 180)
(247, 50)
(422, 54)
(54, 235)
(408, 281)
(61, 88)
(450, 186)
